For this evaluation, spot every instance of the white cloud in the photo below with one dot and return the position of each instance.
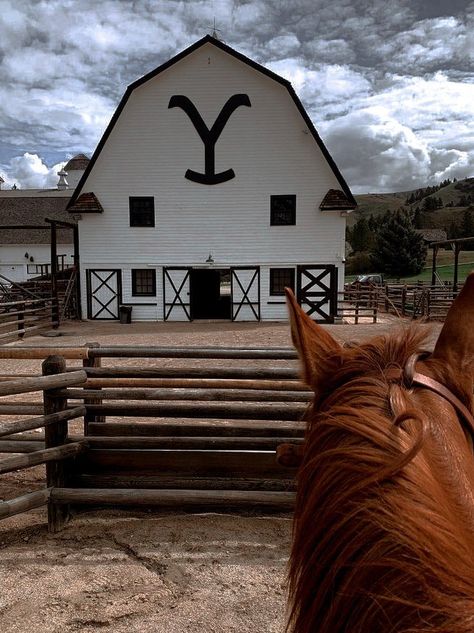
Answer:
(398, 159)
(399, 73)
(30, 172)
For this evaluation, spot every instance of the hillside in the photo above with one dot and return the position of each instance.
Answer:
(460, 194)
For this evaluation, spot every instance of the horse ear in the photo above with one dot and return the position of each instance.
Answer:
(455, 344)
(313, 344)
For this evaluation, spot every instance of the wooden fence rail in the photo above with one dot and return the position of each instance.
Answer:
(418, 300)
(56, 449)
(26, 316)
(203, 436)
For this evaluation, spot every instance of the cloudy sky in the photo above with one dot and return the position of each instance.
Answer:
(389, 84)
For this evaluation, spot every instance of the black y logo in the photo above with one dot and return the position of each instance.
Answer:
(209, 137)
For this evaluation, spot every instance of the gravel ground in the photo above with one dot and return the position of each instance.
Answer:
(118, 571)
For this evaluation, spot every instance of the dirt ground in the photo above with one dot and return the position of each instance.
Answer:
(137, 571)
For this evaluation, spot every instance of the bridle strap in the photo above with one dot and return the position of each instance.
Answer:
(433, 385)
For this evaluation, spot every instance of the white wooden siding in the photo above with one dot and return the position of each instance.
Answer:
(14, 264)
(270, 149)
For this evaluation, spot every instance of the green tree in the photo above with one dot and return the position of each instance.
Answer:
(417, 218)
(467, 223)
(360, 237)
(399, 251)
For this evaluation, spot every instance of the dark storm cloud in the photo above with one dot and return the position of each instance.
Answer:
(389, 85)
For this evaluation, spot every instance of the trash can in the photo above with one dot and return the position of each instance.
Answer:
(125, 313)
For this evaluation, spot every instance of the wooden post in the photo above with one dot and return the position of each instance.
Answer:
(90, 417)
(404, 300)
(433, 269)
(54, 276)
(21, 320)
(55, 435)
(457, 249)
(76, 268)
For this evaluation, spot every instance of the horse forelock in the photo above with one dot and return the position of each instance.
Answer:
(377, 544)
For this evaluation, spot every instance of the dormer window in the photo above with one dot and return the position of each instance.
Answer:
(142, 211)
(282, 210)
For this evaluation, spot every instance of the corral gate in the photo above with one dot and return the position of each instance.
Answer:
(176, 293)
(317, 291)
(104, 293)
(245, 290)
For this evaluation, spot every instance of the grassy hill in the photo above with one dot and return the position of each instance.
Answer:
(378, 203)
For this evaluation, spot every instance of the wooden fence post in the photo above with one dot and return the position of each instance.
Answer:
(55, 435)
(21, 320)
(92, 362)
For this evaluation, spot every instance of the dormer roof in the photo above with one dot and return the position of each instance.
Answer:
(337, 200)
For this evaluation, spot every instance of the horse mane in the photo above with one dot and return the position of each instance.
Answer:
(380, 542)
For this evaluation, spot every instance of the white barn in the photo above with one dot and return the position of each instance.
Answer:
(208, 193)
(25, 249)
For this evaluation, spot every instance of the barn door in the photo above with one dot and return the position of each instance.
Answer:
(245, 293)
(104, 293)
(176, 297)
(317, 291)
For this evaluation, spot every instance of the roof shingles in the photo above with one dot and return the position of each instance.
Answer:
(31, 211)
(336, 200)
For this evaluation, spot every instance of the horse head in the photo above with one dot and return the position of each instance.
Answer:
(383, 534)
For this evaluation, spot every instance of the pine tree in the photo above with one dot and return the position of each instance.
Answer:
(417, 218)
(467, 223)
(399, 251)
(453, 230)
(360, 236)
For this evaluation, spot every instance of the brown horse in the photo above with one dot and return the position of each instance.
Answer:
(383, 537)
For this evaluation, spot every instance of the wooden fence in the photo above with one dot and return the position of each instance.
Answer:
(357, 304)
(418, 300)
(199, 435)
(25, 316)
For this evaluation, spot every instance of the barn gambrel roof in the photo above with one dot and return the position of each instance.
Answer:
(258, 67)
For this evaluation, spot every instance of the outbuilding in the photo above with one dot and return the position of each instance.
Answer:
(209, 192)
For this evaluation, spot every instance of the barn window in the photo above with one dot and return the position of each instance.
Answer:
(143, 282)
(281, 278)
(282, 210)
(142, 211)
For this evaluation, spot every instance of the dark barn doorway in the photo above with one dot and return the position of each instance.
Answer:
(210, 293)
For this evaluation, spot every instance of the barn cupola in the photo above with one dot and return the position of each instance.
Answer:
(62, 182)
(75, 167)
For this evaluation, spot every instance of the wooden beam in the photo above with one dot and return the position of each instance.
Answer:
(40, 383)
(28, 353)
(196, 395)
(24, 503)
(9, 428)
(196, 462)
(228, 443)
(247, 373)
(198, 383)
(143, 351)
(20, 446)
(44, 456)
(180, 482)
(213, 428)
(215, 410)
(175, 498)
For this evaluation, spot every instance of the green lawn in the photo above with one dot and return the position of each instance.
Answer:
(444, 268)
(446, 273)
